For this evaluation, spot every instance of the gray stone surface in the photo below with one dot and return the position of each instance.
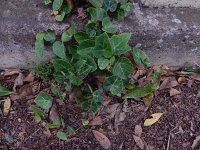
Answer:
(172, 3)
(169, 35)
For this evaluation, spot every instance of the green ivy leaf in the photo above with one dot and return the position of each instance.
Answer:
(58, 92)
(93, 102)
(73, 51)
(67, 35)
(56, 123)
(59, 49)
(110, 5)
(96, 3)
(39, 114)
(61, 16)
(4, 91)
(140, 58)
(140, 92)
(102, 46)
(113, 84)
(103, 63)
(84, 66)
(86, 47)
(39, 44)
(74, 79)
(61, 135)
(62, 70)
(119, 43)
(91, 29)
(81, 36)
(44, 100)
(50, 36)
(70, 131)
(39, 48)
(125, 7)
(108, 26)
(123, 68)
(112, 60)
(57, 4)
(97, 14)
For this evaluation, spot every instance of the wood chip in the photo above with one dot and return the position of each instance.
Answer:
(196, 142)
(6, 106)
(174, 92)
(169, 82)
(96, 121)
(138, 141)
(138, 130)
(102, 139)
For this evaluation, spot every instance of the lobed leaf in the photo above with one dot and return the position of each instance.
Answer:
(44, 100)
(140, 58)
(113, 84)
(123, 68)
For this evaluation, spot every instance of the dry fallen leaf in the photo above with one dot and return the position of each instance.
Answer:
(156, 117)
(6, 106)
(96, 121)
(102, 139)
(138, 141)
(18, 81)
(181, 79)
(195, 76)
(138, 130)
(53, 113)
(81, 13)
(150, 147)
(111, 109)
(148, 99)
(196, 142)
(174, 92)
(169, 82)
(10, 72)
(47, 132)
(29, 78)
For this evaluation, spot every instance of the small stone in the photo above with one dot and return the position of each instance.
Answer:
(19, 120)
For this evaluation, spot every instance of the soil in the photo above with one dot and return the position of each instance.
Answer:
(176, 129)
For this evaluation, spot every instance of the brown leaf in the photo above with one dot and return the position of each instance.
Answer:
(25, 90)
(6, 106)
(111, 109)
(29, 78)
(181, 79)
(10, 72)
(138, 130)
(47, 132)
(195, 76)
(102, 139)
(169, 82)
(53, 113)
(18, 81)
(174, 92)
(196, 142)
(138, 141)
(96, 121)
(148, 99)
(150, 147)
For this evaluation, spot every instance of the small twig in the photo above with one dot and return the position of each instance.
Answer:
(169, 137)
(29, 137)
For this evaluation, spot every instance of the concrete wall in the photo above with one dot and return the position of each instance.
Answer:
(172, 3)
(168, 35)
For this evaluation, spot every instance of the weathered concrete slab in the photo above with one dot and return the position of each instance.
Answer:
(172, 3)
(169, 36)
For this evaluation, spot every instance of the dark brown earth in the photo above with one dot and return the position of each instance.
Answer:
(176, 130)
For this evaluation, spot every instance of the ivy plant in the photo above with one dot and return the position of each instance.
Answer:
(80, 55)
